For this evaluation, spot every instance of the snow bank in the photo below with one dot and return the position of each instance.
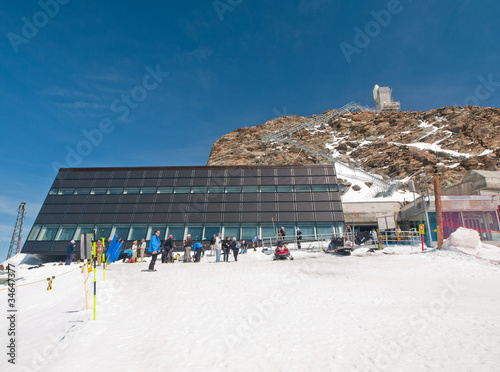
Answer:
(468, 241)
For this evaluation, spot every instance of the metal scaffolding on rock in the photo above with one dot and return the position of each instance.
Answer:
(15, 243)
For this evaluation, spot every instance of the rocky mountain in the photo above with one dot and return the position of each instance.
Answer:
(395, 145)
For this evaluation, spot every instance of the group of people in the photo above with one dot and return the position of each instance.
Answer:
(225, 247)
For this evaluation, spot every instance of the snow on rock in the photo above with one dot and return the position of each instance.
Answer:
(468, 241)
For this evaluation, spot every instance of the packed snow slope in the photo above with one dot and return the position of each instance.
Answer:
(435, 311)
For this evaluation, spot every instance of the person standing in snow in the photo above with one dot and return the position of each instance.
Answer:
(282, 233)
(70, 249)
(255, 242)
(234, 247)
(167, 250)
(227, 247)
(374, 237)
(187, 248)
(299, 238)
(143, 248)
(212, 244)
(134, 251)
(154, 248)
(217, 246)
(198, 251)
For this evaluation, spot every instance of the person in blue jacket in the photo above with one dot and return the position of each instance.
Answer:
(198, 250)
(154, 248)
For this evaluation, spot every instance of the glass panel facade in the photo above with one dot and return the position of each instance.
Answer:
(248, 231)
(83, 229)
(216, 190)
(268, 230)
(132, 190)
(82, 191)
(302, 188)
(182, 190)
(210, 230)
(148, 190)
(115, 191)
(285, 188)
(268, 189)
(324, 230)
(319, 188)
(53, 191)
(250, 189)
(165, 190)
(34, 232)
(65, 191)
(177, 231)
(308, 230)
(98, 191)
(195, 231)
(121, 231)
(138, 232)
(48, 232)
(153, 228)
(66, 232)
(199, 190)
(103, 231)
(232, 231)
(233, 189)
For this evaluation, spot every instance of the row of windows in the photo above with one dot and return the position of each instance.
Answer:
(67, 232)
(192, 190)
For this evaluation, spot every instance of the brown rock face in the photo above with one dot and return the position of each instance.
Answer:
(449, 140)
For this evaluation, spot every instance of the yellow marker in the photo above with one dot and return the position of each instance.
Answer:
(421, 229)
(49, 287)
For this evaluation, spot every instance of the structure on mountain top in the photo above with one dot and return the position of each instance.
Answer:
(15, 243)
(383, 99)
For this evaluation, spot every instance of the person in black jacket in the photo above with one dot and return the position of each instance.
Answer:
(234, 247)
(168, 246)
(226, 248)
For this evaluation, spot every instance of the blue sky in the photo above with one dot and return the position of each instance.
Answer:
(157, 82)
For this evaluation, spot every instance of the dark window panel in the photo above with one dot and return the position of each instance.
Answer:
(321, 196)
(304, 206)
(234, 172)
(163, 198)
(160, 208)
(28, 247)
(286, 207)
(195, 217)
(269, 207)
(232, 197)
(104, 174)
(286, 217)
(42, 247)
(266, 217)
(117, 183)
(50, 199)
(136, 174)
(184, 182)
(81, 199)
(337, 206)
(41, 218)
(338, 216)
(267, 181)
(180, 198)
(145, 217)
(249, 217)
(69, 183)
(85, 183)
(143, 208)
(167, 182)
(133, 182)
(113, 198)
(213, 217)
(121, 174)
(301, 180)
(251, 181)
(147, 198)
(300, 171)
(305, 216)
(71, 218)
(335, 196)
(54, 218)
(319, 180)
(324, 216)
(150, 183)
(320, 171)
(266, 197)
(231, 217)
(250, 207)
(233, 181)
(217, 182)
(63, 199)
(322, 206)
(252, 172)
(185, 173)
(90, 175)
(75, 208)
(129, 198)
(285, 181)
(285, 197)
(250, 198)
(284, 172)
(203, 173)
(101, 183)
(200, 181)
(45, 208)
(232, 207)
(98, 199)
(214, 207)
(109, 208)
(302, 196)
(175, 217)
(125, 208)
(88, 219)
(266, 172)
(106, 218)
(123, 218)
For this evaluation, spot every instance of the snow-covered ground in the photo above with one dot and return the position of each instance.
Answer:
(435, 311)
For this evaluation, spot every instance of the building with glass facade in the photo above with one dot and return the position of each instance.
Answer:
(238, 201)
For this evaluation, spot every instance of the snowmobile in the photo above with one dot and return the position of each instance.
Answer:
(336, 247)
(281, 252)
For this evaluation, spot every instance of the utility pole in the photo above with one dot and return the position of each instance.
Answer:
(15, 243)
(439, 211)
